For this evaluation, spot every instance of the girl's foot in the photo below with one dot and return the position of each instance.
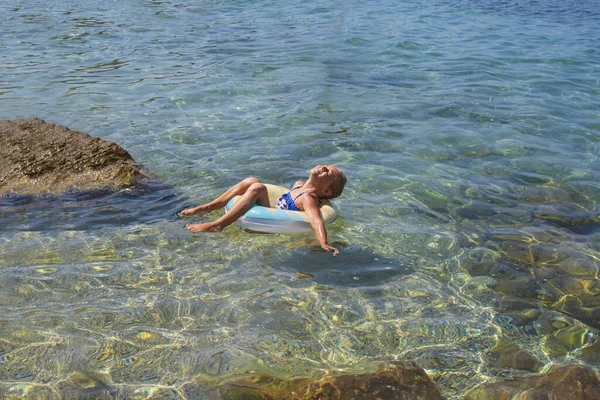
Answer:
(207, 227)
(203, 209)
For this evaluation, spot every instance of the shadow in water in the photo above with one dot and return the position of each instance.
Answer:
(355, 266)
(143, 204)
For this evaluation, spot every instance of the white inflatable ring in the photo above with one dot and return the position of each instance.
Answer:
(274, 220)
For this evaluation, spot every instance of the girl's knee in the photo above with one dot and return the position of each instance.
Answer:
(251, 181)
(259, 193)
(257, 187)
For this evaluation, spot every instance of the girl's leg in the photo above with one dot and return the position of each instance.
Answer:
(255, 194)
(220, 201)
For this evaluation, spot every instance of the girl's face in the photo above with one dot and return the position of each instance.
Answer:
(325, 174)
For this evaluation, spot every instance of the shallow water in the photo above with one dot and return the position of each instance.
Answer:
(470, 135)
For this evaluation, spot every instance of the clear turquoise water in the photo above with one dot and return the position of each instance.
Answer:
(470, 135)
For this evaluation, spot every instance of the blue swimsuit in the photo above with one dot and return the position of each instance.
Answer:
(285, 202)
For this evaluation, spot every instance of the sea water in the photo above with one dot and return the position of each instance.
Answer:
(469, 132)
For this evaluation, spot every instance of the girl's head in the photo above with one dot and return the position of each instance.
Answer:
(330, 180)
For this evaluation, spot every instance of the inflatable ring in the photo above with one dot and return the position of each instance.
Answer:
(274, 220)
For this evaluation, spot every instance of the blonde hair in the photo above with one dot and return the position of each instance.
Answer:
(337, 186)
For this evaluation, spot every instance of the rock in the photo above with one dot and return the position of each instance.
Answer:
(388, 382)
(508, 355)
(573, 218)
(87, 385)
(574, 382)
(39, 157)
(519, 312)
(591, 354)
(585, 308)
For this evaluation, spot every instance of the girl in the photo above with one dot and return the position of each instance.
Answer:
(324, 182)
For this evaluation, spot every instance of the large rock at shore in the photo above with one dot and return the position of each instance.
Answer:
(573, 382)
(39, 157)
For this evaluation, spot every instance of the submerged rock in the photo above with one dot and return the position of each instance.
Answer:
(591, 354)
(572, 382)
(39, 157)
(508, 355)
(86, 384)
(388, 382)
(585, 308)
(576, 220)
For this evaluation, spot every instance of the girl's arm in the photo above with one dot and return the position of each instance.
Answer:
(312, 209)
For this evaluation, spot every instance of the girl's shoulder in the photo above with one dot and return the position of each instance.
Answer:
(303, 196)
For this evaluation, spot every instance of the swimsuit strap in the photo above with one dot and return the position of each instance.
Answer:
(302, 194)
(294, 188)
(298, 195)
(294, 199)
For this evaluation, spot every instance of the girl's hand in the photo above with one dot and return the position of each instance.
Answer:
(327, 247)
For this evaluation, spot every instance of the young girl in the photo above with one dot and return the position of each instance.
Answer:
(324, 182)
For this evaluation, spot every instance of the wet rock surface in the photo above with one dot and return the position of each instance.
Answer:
(572, 382)
(39, 157)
